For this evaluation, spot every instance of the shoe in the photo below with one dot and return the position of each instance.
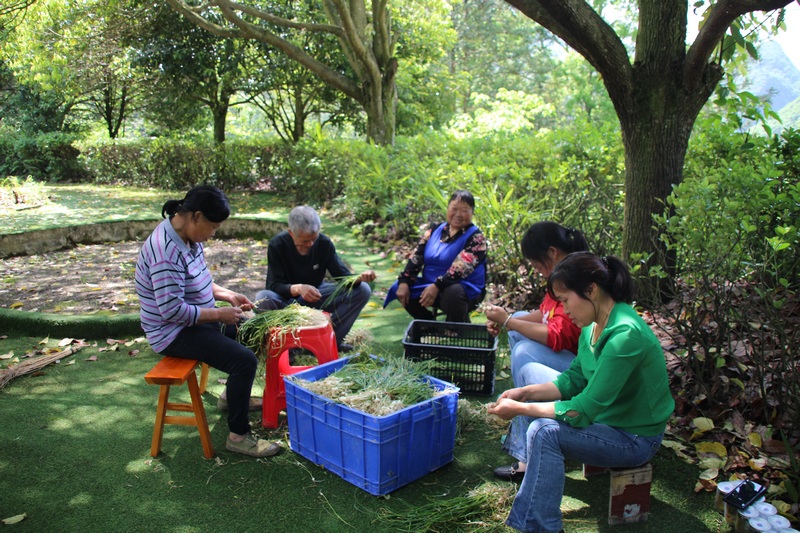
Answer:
(253, 447)
(345, 347)
(255, 404)
(509, 473)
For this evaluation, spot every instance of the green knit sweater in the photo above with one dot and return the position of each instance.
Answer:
(621, 381)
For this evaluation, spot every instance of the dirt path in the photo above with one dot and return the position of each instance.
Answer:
(99, 277)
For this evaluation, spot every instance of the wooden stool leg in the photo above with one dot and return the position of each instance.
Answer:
(200, 416)
(161, 413)
(203, 378)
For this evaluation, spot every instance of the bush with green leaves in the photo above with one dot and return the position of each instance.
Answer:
(46, 156)
(178, 164)
(734, 229)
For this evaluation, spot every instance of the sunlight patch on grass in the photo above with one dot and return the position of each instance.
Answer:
(80, 499)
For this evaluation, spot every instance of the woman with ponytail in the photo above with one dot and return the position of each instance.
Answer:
(177, 298)
(543, 342)
(608, 409)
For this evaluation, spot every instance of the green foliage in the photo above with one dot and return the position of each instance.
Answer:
(45, 157)
(16, 193)
(734, 231)
(178, 164)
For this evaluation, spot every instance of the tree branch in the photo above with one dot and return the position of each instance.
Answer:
(251, 31)
(587, 33)
(286, 23)
(720, 17)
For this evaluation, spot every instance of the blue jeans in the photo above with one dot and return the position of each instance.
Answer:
(344, 309)
(516, 443)
(531, 363)
(525, 351)
(537, 506)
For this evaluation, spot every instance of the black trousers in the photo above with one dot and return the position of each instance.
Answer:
(206, 343)
(453, 302)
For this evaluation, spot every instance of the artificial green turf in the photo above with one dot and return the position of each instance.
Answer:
(75, 457)
(75, 441)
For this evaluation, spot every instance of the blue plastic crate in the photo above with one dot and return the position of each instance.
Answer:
(376, 453)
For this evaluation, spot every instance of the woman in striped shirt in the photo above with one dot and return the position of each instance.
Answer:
(178, 313)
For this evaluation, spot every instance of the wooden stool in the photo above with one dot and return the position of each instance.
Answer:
(629, 492)
(319, 340)
(177, 371)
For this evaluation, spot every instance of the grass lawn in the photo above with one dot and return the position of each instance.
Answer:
(76, 437)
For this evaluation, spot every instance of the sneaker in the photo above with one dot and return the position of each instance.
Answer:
(253, 447)
(255, 404)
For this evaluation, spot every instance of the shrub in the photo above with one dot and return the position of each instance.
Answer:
(45, 157)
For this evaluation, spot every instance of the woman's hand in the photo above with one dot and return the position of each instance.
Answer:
(496, 314)
(493, 328)
(518, 394)
(403, 293)
(505, 408)
(234, 298)
(229, 315)
(428, 296)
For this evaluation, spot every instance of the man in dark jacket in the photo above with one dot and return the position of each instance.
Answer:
(297, 262)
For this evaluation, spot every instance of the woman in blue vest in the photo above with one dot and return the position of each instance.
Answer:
(448, 268)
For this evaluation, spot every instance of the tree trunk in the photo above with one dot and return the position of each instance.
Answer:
(381, 106)
(220, 114)
(654, 158)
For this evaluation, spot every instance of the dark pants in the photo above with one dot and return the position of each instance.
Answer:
(452, 301)
(206, 343)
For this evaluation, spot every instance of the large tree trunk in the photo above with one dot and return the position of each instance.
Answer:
(381, 106)
(654, 158)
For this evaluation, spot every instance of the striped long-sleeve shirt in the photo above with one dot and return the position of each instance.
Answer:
(173, 283)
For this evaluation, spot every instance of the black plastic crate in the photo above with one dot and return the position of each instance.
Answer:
(464, 353)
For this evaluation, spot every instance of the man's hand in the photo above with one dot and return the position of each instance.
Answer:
(367, 276)
(308, 293)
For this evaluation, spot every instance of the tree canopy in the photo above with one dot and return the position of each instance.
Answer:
(657, 91)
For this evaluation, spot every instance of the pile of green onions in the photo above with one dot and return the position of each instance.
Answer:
(376, 386)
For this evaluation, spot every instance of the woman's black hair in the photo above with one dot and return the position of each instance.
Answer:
(207, 199)
(579, 270)
(542, 235)
(463, 196)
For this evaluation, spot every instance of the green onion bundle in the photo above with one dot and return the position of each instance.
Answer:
(484, 508)
(343, 284)
(254, 332)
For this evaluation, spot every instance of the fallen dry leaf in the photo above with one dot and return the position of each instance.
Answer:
(14, 519)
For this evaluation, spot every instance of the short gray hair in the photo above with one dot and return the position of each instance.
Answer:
(303, 219)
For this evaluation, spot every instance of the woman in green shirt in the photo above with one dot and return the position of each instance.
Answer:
(608, 409)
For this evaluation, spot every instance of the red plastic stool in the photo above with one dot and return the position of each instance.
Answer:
(319, 340)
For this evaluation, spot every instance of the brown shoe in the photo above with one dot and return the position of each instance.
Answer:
(253, 447)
